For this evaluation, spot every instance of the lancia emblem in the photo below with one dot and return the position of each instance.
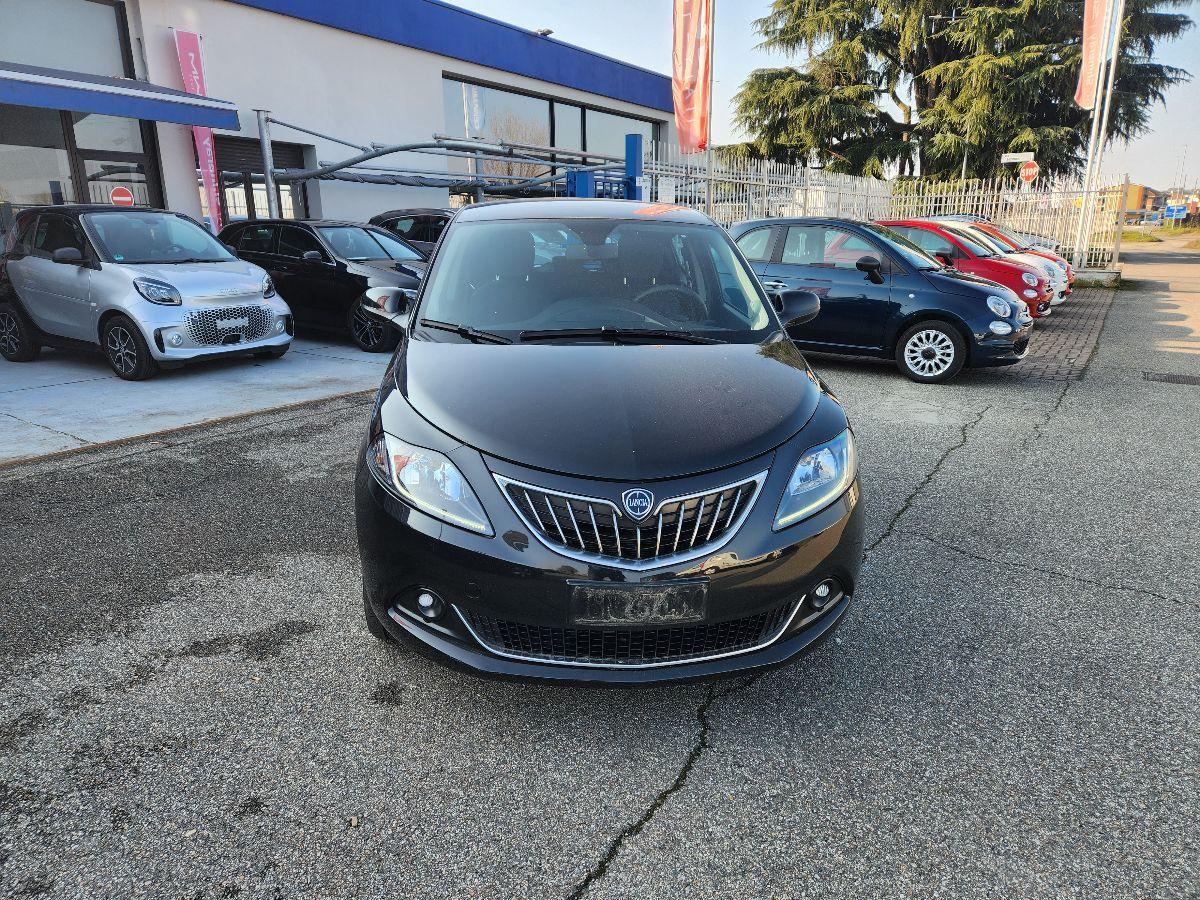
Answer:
(638, 502)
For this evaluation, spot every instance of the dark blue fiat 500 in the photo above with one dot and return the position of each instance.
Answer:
(882, 295)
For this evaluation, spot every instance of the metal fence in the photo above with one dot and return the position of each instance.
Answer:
(740, 189)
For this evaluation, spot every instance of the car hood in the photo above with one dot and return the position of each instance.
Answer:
(625, 412)
(398, 272)
(198, 281)
(953, 281)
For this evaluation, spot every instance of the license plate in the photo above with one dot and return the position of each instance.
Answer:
(605, 603)
(225, 324)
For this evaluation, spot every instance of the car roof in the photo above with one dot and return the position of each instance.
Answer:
(798, 220)
(324, 223)
(413, 211)
(580, 208)
(77, 209)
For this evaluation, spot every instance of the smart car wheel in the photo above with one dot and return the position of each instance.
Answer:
(931, 352)
(16, 335)
(369, 333)
(126, 349)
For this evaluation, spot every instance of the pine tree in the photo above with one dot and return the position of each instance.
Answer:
(907, 88)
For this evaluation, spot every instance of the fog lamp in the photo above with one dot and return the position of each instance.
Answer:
(430, 606)
(176, 339)
(279, 326)
(823, 593)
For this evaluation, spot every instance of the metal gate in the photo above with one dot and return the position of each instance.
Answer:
(738, 189)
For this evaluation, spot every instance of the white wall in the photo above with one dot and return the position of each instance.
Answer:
(358, 88)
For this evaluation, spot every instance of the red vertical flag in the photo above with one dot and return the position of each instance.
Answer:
(691, 57)
(1095, 14)
(191, 64)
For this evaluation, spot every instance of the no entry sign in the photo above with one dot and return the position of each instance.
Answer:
(1029, 171)
(120, 196)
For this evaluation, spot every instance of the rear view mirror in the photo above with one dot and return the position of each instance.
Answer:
(67, 255)
(872, 266)
(796, 307)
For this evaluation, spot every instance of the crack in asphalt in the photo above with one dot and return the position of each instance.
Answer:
(1054, 573)
(967, 428)
(57, 431)
(600, 869)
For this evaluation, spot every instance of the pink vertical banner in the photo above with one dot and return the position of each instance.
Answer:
(691, 58)
(1095, 14)
(191, 65)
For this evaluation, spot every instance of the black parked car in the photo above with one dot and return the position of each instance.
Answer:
(882, 295)
(420, 227)
(605, 460)
(326, 269)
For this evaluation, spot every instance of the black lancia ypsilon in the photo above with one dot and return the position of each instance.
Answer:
(596, 454)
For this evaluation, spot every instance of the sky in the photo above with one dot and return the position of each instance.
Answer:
(639, 31)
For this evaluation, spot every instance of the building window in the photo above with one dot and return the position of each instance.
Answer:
(35, 166)
(94, 43)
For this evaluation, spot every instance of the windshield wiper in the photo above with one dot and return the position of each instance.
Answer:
(615, 334)
(473, 334)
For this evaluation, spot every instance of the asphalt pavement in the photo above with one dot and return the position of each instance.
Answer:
(191, 706)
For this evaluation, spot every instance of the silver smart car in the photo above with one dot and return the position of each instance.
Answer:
(153, 289)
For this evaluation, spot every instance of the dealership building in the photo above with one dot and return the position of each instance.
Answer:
(93, 108)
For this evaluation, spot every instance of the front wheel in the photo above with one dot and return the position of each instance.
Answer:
(371, 334)
(17, 343)
(126, 349)
(931, 352)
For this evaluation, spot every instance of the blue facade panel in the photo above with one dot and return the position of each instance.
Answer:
(459, 34)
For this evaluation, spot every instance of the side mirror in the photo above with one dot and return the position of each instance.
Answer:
(313, 256)
(390, 305)
(67, 255)
(872, 266)
(796, 307)
(232, 249)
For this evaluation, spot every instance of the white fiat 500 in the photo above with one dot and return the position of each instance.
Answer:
(152, 289)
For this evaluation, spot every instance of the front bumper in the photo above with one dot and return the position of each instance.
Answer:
(516, 578)
(229, 331)
(993, 350)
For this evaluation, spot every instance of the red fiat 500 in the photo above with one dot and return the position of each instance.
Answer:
(955, 248)
(1010, 238)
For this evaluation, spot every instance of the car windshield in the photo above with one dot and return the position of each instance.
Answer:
(994, 244)
(540, 275)
(903, 247)
(1011, 235)
(132, 236)
(967, 239)
(356, 244)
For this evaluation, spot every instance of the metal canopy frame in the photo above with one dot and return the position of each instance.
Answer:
(580, 173)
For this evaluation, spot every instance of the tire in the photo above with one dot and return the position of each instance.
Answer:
(931, 352)
(369, 333)
(273, 353)
(17, 343)
(373, 624)
(126, 350)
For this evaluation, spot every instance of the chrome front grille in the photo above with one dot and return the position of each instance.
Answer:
(215, 326)
(592, 528)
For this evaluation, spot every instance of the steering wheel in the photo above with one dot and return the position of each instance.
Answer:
(691, 303)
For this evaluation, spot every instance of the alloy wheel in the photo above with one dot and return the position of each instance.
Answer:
(10, 334)
(367, 331)
(929, 353)
(121, 349)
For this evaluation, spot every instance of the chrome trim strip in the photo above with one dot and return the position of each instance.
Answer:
(634, 564)
(650, 665)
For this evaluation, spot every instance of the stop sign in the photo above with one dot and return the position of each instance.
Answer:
(120, 196)
(1029, 171)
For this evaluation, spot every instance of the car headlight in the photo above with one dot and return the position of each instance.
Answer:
(821, 476)
(1029, 278)
(999, 306)
(428, 480)
(158, 291)
(268, 287)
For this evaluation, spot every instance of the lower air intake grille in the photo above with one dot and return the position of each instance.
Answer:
(627, 647)
(596, 528)
(216, 326)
